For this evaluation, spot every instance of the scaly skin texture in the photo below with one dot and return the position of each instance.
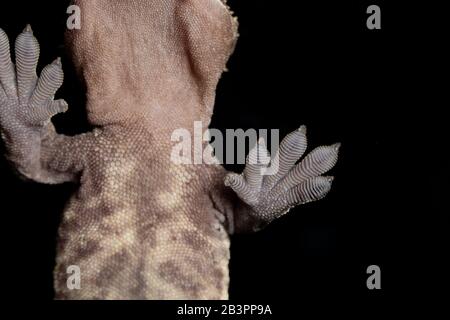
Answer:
(140, 226)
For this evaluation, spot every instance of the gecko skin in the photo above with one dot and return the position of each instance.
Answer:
(140, 226)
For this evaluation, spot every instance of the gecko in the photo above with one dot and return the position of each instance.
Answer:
(140, 226)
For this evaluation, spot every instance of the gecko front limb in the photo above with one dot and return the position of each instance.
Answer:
(268, 197)
(26, 106)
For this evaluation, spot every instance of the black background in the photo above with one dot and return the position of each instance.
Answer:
(379, 92)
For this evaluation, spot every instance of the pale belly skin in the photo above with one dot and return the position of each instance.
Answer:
(141, 226)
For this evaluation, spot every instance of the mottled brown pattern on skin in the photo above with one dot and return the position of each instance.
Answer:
(193, 240)
(138, 291)
(173, 274)
(127, 214)
(218, 275)
(113, 267)
(83, 252)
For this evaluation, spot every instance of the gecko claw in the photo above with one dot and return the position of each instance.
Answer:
(337, 146)
(302, 129)
(28, 29)
(57, 62)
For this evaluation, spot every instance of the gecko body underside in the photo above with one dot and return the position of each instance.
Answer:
(140, 226)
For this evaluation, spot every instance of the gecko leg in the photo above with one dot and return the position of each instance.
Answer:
(271, 196)
(26, 106)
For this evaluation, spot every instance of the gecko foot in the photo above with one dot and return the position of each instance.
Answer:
(25, 100)
(271, 196)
